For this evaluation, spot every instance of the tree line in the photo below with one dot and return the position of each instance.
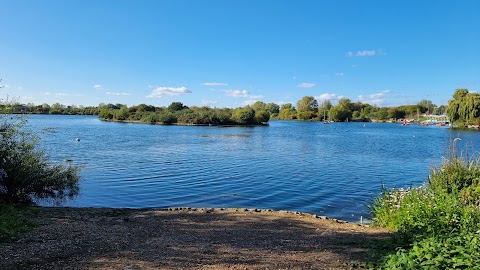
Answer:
(463, 110)
(308, 108)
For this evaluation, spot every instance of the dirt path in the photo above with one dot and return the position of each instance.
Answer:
(86, 238)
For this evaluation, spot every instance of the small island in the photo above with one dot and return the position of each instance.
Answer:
(179, 114)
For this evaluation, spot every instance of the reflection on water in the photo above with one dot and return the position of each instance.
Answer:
(332, 170)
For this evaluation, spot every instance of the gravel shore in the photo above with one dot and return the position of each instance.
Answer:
(185, 238)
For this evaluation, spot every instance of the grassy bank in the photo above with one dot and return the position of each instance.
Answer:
(13, 221)
(438, 224)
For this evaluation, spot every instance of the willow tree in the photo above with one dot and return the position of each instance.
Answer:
(464, 108)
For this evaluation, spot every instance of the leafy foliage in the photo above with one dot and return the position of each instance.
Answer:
(438, 223)
(464, 108)
(26, 175)
(177, 113)
(307, 108)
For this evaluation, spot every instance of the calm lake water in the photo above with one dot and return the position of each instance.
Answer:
(332, 170)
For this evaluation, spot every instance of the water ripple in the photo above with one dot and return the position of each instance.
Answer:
(333, 170)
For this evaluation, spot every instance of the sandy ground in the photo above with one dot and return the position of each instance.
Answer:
(184, 238)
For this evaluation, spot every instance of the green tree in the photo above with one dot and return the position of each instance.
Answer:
(324, 108)
(382, 113)
(26, 175)
(307, 104)
(287, 112)
(395, 113)
(176, 106)
(464, 108)
(56, 108)
(244, 116)
(261, 116)
(426, 106)
(121, 114)
(259, 106)
(341, 112)
(272, 108)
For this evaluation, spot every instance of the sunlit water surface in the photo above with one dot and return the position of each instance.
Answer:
(332, 170)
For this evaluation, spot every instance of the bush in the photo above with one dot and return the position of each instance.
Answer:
(13, 221)
(26, 175)
(441, 252)
(438, 223)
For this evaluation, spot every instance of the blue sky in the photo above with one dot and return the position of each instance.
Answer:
(232, 53)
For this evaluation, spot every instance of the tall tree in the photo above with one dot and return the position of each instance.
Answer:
(307, 103)
(324, 108)
(426, 106)
(307, 108)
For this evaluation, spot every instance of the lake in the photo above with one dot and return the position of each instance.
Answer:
(332, 170)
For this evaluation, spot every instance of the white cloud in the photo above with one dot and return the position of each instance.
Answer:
(364, 53)
(321, 98)
(160, 92)
(374, 99)
(214, 84)
(98, 87)
(241, 94)
(306, 85)
(117, 94)
(340, 74)
(237, 93)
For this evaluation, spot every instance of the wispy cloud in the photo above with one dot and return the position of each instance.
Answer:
(55, 94)
(214, 84)
(339, 74)
(241, 94)
(62, 94)
(160, 92)
(98, 87)
(377, 99)
(323, 97)
(306, 85)
(237, 93)
(117, 94)
(364, 53)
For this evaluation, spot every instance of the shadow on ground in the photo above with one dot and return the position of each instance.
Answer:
(76, 238)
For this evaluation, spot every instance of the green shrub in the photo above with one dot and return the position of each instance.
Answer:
(441, 252)
(438, 224)
(26, 175)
